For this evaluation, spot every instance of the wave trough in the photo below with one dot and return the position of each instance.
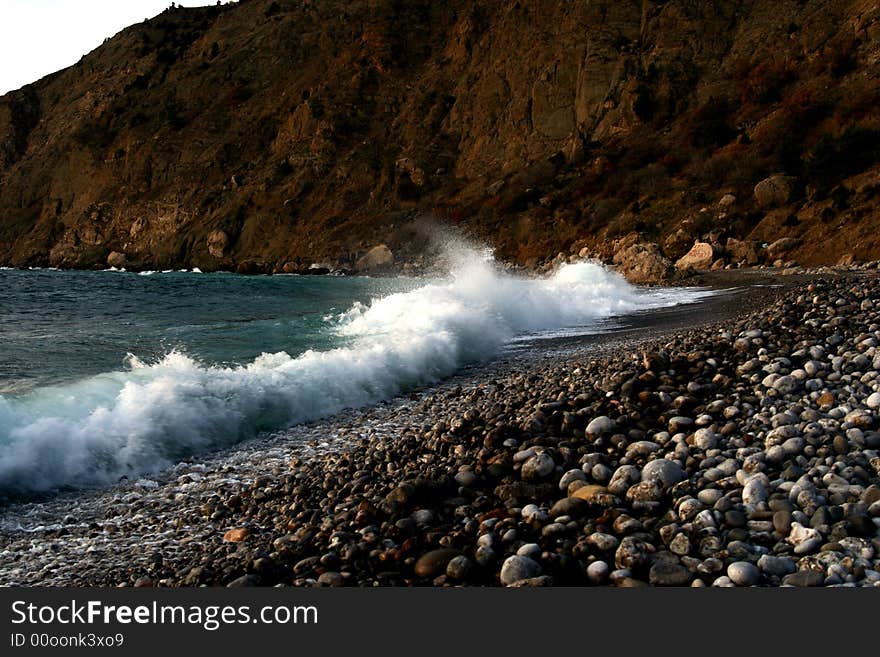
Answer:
(128, 423)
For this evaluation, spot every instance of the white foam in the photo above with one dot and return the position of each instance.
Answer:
(141, 420)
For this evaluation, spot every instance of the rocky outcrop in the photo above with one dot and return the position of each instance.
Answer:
(643, 263)
(307, 132)
(378, 258)
(217, 241)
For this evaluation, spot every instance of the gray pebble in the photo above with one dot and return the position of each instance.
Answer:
(517, 568)
(743, 573)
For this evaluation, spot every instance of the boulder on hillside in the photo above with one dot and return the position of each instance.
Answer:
(643, 263)
(781, 246)
(742, 251)
(776, 190)
(727, 201)
(701, 256)
(379, 257)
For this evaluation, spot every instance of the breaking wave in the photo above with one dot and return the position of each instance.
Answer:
(128, 423)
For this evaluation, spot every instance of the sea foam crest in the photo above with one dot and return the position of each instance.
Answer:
(128, 423)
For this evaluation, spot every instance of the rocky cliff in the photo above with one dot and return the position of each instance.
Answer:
(270, 135)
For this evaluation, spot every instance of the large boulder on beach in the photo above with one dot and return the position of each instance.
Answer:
(643, 263)
(379, 257)
(116, 259)
(701, 256)
(775, 191)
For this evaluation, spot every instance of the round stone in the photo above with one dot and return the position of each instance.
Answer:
(484, 555)
(434, 562)
(517, 568)
(570, 476)
(624, 477)
(709, 496)
(705, 439)
(754, 492)
(330, 578)
(530, 550)
(570, 506)
(680, 423)
(603, 542)
(743, 573)
(538, 466)
(667, 472)
(532, 512)
(597, 572)
(600, 425)
(786, 384)
(665, 573)
(778, 566)
(782, 521)
(459, 567)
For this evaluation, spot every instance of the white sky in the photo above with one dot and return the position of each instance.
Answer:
(38, 37)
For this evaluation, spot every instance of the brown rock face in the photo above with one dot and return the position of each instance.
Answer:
(307, 132)
(217, 243)
(701, 256)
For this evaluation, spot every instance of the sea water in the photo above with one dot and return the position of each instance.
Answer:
(113, 374)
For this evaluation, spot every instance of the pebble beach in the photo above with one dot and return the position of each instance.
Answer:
(740, 448)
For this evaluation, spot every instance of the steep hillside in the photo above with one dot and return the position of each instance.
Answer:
(275, 134)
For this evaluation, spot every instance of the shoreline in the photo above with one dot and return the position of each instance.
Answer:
(686, 277)
(432, 486)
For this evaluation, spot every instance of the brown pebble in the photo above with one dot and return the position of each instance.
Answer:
(236, 535)
(434, 562)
